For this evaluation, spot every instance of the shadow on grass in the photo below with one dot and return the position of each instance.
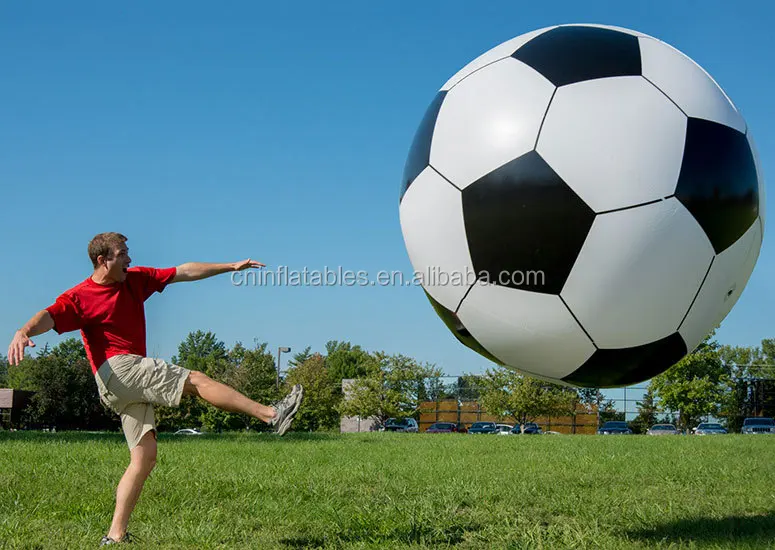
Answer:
(709, 530)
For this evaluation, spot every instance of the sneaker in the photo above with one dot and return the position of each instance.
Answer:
(286, 410)
(126, 539)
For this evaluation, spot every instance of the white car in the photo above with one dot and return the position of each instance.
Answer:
(663, 429)
(503, 429)
(188, 431)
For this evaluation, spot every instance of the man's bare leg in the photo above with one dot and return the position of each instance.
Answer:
(142, 461)
(224, 397)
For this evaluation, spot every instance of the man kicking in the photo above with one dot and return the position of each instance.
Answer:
(108, 308)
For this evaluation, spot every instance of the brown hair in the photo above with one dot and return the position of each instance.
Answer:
(103, 245)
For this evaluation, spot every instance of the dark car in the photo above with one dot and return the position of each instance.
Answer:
(403, 425)
(709, 428)
(442, 428)
(758, 425)
(530, 428)
(614, 427)
(483, 428)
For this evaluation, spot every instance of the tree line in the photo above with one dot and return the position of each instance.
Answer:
(729, 382)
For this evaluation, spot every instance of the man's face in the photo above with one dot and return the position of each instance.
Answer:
(118, 263)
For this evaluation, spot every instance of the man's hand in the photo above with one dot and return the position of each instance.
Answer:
(247, 264)
(16, 349)
(41, 322)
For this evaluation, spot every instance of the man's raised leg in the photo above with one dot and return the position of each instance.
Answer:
(224, 397)
(142, 461)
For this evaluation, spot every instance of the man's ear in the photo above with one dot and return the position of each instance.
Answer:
(101, 260)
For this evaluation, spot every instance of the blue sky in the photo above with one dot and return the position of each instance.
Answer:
(215, 132)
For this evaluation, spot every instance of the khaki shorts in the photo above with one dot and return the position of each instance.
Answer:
(131, 385)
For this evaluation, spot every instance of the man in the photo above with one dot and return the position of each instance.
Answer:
(108, 308)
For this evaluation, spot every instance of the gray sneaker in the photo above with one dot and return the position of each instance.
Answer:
(286, 410)
(127, 538)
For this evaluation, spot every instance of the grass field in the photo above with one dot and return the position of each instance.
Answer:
(386, 490)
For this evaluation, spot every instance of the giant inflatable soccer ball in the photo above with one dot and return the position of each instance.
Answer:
(584, 204)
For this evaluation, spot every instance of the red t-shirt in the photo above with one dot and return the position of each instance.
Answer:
(111, 317)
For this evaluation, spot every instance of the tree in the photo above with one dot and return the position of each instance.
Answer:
(436, 390)
(344, 361)
(407, 377)
(695, 386)
(318, 410)
(647, 413)
(468, 387)
(66, 394)
(591, 399)
(203, 352)
(751, 387)
(300, 357)
(368, 397)
(198, 346)
(20, 377)
(3, 371)
(506, 393)
(608, 412)
(573, 398)
(254, 375)
(393, 386)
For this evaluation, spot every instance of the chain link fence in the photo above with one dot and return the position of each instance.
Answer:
(457, 400)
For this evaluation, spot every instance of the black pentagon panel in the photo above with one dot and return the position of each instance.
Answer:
(718, 182)
(461, 333)
(566, 55)
(622, 367)
(525, 226)
(420, 151)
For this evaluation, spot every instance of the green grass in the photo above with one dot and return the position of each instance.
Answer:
(386, 490)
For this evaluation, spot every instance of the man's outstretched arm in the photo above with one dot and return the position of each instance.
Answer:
(195, 271)
(41, 322)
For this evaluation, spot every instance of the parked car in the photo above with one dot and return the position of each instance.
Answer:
(614, 427)
(758, 425)
(662, 429)
(530, 428)
(709, 428)
(483, 428)
(403, 425)
(504, 429)
(188, 431)
(442, 428)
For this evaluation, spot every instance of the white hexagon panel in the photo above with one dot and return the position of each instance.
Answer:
(722, 287)
(687, 84)
(489, 119)
(532, 332)
(432, 222)
(617, 288)
(501, 51)
(617, 142)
